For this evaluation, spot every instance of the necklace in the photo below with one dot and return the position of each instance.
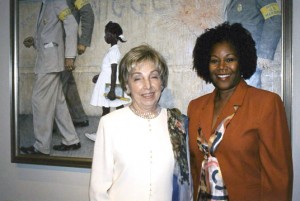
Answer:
(145, 115)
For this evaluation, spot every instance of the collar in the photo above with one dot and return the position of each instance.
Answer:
(114, 46)
(236, 99)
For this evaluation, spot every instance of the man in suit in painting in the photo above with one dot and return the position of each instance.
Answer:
(55, 53)
(84, 15)
(263, 19)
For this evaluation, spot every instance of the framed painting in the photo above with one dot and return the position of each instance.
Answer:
(170, 26)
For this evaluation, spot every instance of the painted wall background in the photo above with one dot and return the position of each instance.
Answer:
(170, 26)
(19, 182)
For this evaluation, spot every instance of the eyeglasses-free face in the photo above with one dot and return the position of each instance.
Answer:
(145, 86)
(224, 66)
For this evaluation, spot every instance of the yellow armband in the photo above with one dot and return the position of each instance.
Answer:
(64, 14)
(80, 3)
(270, 10)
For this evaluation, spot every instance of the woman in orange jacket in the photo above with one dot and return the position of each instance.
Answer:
(239, 137)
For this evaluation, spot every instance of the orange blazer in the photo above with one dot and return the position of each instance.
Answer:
(255, 153)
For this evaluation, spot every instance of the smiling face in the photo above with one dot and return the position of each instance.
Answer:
(145, 85)
(224, 66)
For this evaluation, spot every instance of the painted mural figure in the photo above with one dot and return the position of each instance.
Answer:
(107, 82)
(83, 13)
(263, 19)
(55, 53)
(239, 137)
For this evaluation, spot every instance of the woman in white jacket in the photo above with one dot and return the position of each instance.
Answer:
(141, 151)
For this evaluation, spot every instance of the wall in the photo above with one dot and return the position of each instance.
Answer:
(19, 182)
(296, 98)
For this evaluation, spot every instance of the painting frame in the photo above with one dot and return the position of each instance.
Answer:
(82, 162)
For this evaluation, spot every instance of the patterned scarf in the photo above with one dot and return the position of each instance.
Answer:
(178, 139)
(212, 186)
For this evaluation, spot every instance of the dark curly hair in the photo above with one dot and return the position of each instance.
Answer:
(237, 36)
(114, 28)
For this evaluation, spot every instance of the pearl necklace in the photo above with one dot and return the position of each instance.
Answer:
(145, 115)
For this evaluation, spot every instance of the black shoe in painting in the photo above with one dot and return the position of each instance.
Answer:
(81, 123)
(31, 150)
(63, 147)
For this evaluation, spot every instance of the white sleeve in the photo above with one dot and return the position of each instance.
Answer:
(102, 166)
(114, 56)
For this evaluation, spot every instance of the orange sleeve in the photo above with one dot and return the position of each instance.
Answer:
(275, 152)
(195, 156)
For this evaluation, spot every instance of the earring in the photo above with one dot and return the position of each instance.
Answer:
(127, 91)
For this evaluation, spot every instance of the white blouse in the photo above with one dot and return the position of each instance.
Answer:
(133, 158)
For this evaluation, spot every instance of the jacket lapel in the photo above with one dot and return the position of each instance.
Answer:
(206, 121)
(236, 99)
